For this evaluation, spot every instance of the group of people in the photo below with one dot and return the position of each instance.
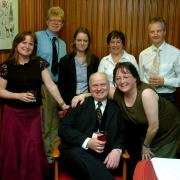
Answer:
(36, 78)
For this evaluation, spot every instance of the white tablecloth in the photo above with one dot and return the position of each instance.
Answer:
(166, 169)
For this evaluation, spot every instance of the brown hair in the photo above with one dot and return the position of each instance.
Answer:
(129, 67)
(13, 56)
(87, 51)
(159, 20)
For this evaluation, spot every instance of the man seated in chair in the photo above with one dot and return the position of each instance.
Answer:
(85, 151)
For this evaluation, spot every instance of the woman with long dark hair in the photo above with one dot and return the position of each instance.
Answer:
(76, 67)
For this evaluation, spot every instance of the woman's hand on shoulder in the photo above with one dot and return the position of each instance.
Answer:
(111, 92)
(79, 99)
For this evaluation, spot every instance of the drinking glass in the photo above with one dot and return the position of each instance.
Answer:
(101, 136)
(34, 93)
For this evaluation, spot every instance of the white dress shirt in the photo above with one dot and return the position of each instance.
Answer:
(103, 106)
(107, 64)
(169, 67)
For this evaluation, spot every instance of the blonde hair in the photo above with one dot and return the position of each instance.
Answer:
(56, 11)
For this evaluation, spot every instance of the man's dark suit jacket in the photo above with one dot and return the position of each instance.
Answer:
(80, 123)
(67, 75)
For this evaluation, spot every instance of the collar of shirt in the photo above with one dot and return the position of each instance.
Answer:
(103, 105)
(161, 47)
(79, 62)
(124, 56)
(50, 34)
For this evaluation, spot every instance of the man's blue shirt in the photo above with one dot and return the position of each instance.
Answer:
(44, 48)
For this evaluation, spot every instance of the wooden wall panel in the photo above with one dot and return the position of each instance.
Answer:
(103, 16)
(32, 14)
(128, 16)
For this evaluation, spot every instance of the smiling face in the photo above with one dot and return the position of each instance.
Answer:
(156, 33)
(125, 81)
(55, 24)
(81, 42)
(25, 47)
(115, 46)
(99, 86)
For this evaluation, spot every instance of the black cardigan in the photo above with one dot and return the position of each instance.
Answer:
(67, 75)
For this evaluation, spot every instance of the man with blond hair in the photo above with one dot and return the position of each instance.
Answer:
(48, 42)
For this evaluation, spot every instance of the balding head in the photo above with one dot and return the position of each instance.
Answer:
(99, 86)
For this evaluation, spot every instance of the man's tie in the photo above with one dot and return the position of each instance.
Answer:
(54, 67)
(156, 62)
(99, 113)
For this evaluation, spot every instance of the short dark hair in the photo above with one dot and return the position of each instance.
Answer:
(127, 66)
(159, 20)
(116, 34)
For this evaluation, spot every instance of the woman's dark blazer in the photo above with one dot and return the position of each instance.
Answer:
(67, 75)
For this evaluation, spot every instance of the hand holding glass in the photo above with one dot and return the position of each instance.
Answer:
(34, 93)
(101, 136)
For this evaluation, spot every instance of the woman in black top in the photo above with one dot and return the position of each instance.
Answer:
(76, 67)
(21, 148)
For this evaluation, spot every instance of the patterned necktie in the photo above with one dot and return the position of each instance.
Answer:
(54, 67)
(156, 62)
(99, 113)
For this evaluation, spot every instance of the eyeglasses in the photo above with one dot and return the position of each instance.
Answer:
(123, 78)
(56, 21)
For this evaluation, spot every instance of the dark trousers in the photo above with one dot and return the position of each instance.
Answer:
(82, 165)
